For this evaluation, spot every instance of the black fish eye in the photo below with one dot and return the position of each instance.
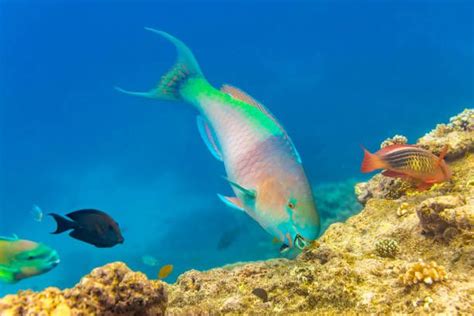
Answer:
(30, 258)
(111, 227)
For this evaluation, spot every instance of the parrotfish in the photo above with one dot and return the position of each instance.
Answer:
(91, 226)
(263, 166)
(408, 162)
(20, 259)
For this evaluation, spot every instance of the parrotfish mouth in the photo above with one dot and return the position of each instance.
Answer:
(300, 242)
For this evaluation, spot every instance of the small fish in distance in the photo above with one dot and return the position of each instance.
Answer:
(37, 213)
(165, 271)
(408, 162)
(91, 226)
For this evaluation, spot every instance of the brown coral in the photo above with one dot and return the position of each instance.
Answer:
(423, 272)
(110, 290)
(442, 215)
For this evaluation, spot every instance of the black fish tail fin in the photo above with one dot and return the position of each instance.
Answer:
(62, 223)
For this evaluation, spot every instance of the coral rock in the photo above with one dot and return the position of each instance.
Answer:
(397, 139)
(110, 290)
(443, 215)
(458, 135)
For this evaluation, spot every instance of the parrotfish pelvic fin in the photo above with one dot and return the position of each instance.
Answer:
(251, 194)
(232, 202)
(209, 138)
(171, 83)
(7, 274)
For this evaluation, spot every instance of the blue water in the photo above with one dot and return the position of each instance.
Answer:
(336, 74)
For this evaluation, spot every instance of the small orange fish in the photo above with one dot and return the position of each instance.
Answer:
(165, 271)
(408, 162)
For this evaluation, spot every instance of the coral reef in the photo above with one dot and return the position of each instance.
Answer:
(387, 248)
(420, 271)
(397, 139)
(458, 134)
(338, 274)
(110, 290)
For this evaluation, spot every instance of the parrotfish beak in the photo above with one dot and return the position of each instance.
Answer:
(300, 242)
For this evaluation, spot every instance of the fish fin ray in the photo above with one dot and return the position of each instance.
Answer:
(249, 193)
(170, 85)
(394, 174)
(232, 202)
(63, 224)
(238, 94)
(443, 153)
(370, 162)
(209, 137)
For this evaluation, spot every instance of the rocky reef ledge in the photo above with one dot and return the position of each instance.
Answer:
(406, 252)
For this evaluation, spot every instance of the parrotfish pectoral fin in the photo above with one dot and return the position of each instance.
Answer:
(209, 137)
(171, 83)
(238, 94)
(284, 248)
(251, 194)
(232, 202)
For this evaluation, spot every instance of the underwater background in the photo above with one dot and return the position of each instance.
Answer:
(336, 74)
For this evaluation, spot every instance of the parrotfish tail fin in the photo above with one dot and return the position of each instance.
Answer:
(371, 162)
(63, 224)
(170, 85)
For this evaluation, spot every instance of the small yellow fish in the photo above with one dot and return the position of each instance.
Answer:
(165, 271)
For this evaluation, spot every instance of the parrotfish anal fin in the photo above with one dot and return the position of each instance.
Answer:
(394, 174)
(232, 202)
(238, 94)
(209, 137)
(250, 194)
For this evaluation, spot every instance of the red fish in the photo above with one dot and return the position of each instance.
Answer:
(408, 162)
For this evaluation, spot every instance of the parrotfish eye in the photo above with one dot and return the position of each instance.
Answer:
(291, 205)
(111, 227)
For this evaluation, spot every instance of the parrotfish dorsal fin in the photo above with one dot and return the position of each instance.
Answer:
(12, 238)
(443, 153)
(238, 94)
(209, 137)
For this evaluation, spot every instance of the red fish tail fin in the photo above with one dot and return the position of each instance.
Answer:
(371, 162)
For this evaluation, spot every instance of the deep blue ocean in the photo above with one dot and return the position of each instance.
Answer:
(337, 74)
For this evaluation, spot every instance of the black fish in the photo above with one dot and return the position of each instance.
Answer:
(91, 226)
(261, 293)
